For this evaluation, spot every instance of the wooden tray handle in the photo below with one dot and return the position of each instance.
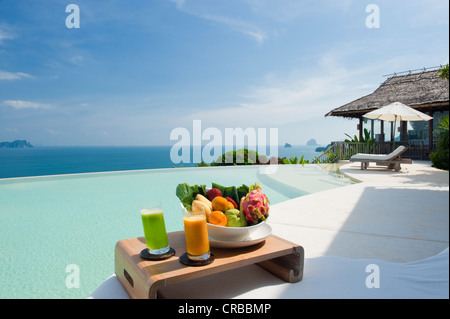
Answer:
(289, 267)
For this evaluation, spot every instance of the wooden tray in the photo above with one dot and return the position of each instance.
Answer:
(142, 278)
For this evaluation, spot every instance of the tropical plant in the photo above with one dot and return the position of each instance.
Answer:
(331, 157)
(440, 158)
(443, 124)
(366, 143)
(295, 160)
(364, 139)
(202, 164)
(443, 73)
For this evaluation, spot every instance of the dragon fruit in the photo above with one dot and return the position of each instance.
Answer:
(255, 205)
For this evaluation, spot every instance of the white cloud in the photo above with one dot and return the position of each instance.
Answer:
(4, 75)
(5, 35)
(178, 3)
(432, 12)
(282, 11)
(24, 75)
(77, 60)
(238, 25)
(294, 97)
(53, 132)
(19, 104)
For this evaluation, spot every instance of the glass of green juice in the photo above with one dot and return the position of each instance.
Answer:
(155, 230)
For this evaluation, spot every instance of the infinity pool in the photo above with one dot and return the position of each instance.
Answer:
(48, 224)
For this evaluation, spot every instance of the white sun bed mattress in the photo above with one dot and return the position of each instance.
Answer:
(324, 277)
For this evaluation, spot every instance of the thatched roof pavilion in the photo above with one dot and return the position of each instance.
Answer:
(422, 90)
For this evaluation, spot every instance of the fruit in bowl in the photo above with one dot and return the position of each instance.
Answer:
(226, 220)
(255, 205)
(235, 218)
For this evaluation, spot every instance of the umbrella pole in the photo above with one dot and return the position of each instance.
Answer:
(392, 131)
(393, 135)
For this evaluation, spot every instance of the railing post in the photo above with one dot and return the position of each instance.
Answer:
(421, 150)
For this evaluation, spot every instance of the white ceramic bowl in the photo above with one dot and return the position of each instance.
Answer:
(224, 233)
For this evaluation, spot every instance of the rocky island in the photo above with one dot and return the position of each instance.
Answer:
(16, 144)
(323, 148)
(312, 142)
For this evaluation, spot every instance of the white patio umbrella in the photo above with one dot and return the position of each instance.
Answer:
(397, 112)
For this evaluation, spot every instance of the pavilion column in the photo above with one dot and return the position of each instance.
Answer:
(430, 132)
(360, 127)
(372, 129)
(404, 131)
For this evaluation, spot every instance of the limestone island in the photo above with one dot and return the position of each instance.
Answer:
(16, 144)
(312, 142)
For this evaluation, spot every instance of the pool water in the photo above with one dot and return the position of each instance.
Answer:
(49, 225)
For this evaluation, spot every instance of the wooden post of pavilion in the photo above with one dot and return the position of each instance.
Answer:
(372, 136)
(404, 134)
(430, 132)
(360, 128)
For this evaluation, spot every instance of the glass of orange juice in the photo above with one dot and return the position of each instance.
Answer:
(196, 232)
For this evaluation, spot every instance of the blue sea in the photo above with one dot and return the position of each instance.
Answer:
(46, 160)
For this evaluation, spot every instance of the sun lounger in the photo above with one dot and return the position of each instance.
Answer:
(391, 160)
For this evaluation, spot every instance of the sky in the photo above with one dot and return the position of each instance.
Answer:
(133, 71)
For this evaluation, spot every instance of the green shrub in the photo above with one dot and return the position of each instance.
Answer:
(295, 160)
(440, 158)
(242, 156)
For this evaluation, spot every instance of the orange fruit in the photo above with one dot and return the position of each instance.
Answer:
(220, 203)
(217, 218)
(230, 205)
